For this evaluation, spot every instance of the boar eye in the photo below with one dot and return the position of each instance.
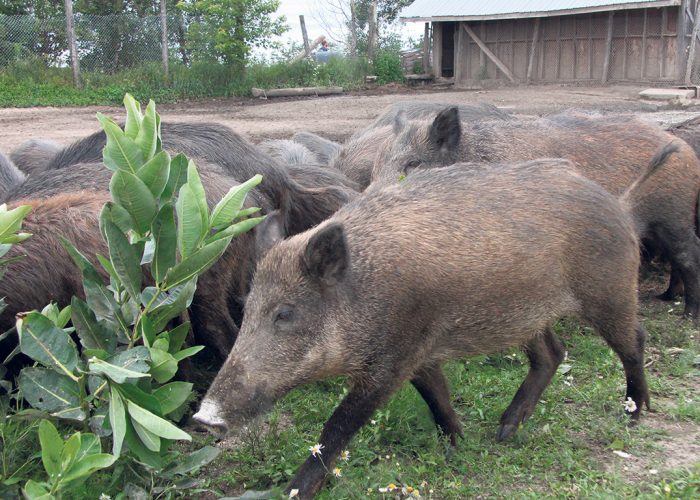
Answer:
(284, 315)
(410, 165)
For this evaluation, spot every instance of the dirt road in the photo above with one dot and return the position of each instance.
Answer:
(333, 117)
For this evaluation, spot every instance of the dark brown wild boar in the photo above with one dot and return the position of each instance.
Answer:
(324, 148)
(289, 152)
(10, 177)
(453, 262)
(612, 151)
(357, 156)
(34, 155)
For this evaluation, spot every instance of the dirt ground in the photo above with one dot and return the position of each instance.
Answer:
(333, 117)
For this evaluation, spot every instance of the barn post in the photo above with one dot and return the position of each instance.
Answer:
(72, 46)
(608, 48)
(690, 64)
(437, 49)
(682, 34)
(426, 48)
(533, 49)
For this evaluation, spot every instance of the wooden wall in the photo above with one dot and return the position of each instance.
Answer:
(572, 48)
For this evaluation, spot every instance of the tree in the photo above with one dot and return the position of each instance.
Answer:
(226, 30)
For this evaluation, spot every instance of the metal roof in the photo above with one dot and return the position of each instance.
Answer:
(474, 10)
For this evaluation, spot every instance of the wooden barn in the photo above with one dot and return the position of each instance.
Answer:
(561, 40)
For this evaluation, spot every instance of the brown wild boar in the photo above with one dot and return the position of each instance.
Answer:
(289, 152)
(10, 177)
(453, 262)
(357, 156)
(612, 151)
(417, 110)
(34, 155)
(324, 148)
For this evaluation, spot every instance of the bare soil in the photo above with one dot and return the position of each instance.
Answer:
(333, 117)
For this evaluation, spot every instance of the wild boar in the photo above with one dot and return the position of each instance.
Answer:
(34, 155)
(356, 158)
(289, 152)
(10, 177)
(453, 262)
(324, 148)
(417, 110)
(612, 151)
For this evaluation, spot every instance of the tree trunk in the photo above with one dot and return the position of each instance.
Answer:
(182, 41)
(372, 36)
(164, 37)
(72, 47)
(353, 29)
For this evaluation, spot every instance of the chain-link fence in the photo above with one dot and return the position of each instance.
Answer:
(104, 43)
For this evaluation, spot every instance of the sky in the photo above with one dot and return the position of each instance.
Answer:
(314, 12)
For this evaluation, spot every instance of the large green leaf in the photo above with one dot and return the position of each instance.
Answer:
(131, 193)
(135, 359)
(85, 467)
(125, 258)
(177, 336)
(70, 451)
(93, 334)
(173, 395)
(122, 153)
(140, 397)
(177, 300)
(196, 263)
(116, 214)
(155, 172)
(43, 341)
(117, 419)
(51, 447)
(115, 373)
(235, 229)
(178, 177)
(150, 440)
(163, 365)
(36, 491)
(143, 454)
(147, 138)
(195, 184)
(133, 116)
(11, 221)
(193, 461)
(165, 236)
(230, 205)
(85, 266)
(191, 227)
(186, 353)
(46, 390)
(158, 426)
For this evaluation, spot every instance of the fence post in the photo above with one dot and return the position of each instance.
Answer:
(353, 29)
(70, 33)
(307, 49)
(164, 37)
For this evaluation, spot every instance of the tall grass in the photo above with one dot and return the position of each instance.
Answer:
(31, 83)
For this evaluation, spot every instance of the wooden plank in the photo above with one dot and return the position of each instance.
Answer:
(482, 56)
(313, 45)
(460, 59)
(557, 75)
(72, 47)
(693, 43)
(608, 48)
(499, 64)
(298, 91)
(438, 29)
(426, 48)
(533, 48)
(643, 71)
(307, 48)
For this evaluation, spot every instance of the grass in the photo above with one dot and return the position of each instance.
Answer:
(564, 450)
(30, 83)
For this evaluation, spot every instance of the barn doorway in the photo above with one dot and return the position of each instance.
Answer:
(448, 49)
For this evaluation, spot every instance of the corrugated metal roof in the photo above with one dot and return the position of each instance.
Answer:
(504, 9)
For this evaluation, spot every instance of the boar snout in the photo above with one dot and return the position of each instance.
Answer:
(209, 416)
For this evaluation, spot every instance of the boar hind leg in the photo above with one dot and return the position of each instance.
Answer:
(545, 353)
(684, 254)
(630, 349)
(675, 286)
(350, 415)
(432, 386)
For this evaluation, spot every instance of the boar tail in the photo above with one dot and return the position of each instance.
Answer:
(659, 159)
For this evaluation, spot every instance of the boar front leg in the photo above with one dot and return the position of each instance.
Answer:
(431, 384)
(352, 413)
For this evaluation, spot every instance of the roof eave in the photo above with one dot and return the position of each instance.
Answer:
(551, 13)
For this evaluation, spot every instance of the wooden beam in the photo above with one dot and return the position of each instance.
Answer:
(644, 46)
(608, 48)
(533, 49)
(499, 64)
(301, 55)
(426, 48)
(297, 91)
(693, 43)
(307, 48)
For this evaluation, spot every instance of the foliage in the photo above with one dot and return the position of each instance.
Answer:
(117, 377)
(387, 67)
(226, 30)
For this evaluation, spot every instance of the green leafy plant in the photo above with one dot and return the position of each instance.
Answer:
(118, 378)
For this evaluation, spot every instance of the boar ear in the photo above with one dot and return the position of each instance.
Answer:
(400, 122)
(446, 130)
(326, 256)
(269, 232)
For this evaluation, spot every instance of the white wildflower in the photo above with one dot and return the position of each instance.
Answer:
(630, 405)
(294, 493)
(316, 449)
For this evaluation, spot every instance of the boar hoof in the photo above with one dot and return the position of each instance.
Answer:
(667, 296)
(505, 431)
